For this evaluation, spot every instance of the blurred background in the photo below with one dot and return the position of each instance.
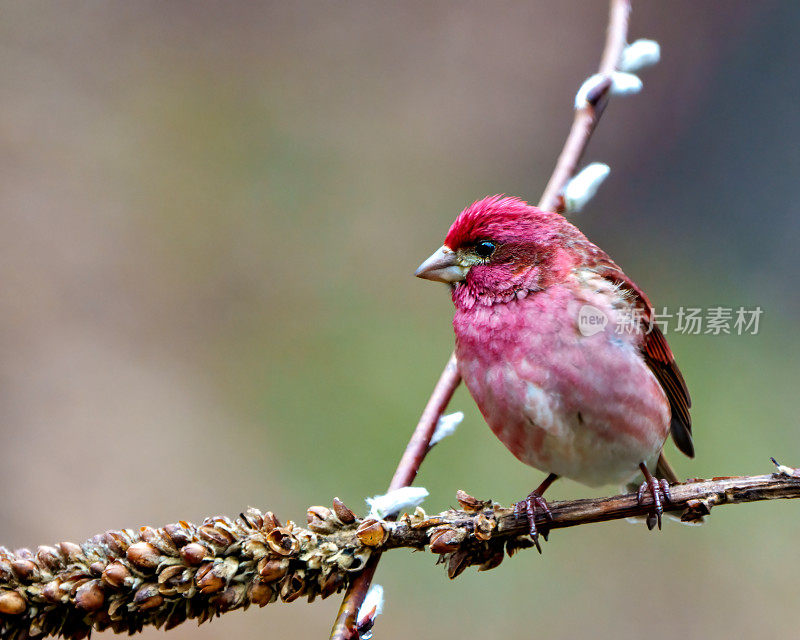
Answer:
(209, 217)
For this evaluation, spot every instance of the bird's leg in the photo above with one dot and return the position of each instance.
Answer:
(529, 506)
(659, 489)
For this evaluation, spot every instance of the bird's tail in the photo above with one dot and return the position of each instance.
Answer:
(664, 470)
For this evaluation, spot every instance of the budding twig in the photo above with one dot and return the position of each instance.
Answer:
(583, 126)
(126, 580)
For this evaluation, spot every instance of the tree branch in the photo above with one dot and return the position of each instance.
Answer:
(126, 580)
(583, 125)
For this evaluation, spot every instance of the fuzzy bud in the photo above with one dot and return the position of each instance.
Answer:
(397, 500)
(619, 83)
(447, 426)
(582, 187)
(370, 609)
(639, 54)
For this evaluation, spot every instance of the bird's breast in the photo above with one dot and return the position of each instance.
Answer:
(568, 398)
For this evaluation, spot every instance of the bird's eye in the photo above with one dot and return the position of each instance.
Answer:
(484, 249)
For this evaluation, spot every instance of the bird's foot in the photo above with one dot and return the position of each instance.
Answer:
(659, 491)
(529, 506)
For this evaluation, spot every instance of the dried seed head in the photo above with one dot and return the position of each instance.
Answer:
(331, 584)
(49, 558)
(252, 518)
(444, 540)
(170, 572)
(468, 502)
(271, 569)
(457, 564)
(270, 522)
(254, 548)
(371, 533)
(232, 597)
(207, 580)
(115, 575)
(25, 569)
(90, 596)
(143, 555)
(215, 535)
(260, 592)
(319, 519)
(179, 535)
(116, 541)
(282, 542)
(494, 560)
(72, 552)
(193, 553)
(293, 587)
(52, 592)
(12, 603)
(159, 539)
(484, 526)
(148, 597)
(345, 515)
(24, 553)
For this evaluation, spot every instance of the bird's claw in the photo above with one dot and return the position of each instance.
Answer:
(529, 506)
(659, 491)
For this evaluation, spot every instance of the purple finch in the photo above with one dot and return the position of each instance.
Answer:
(592, 405)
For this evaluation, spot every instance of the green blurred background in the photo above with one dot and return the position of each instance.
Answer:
(210, 216)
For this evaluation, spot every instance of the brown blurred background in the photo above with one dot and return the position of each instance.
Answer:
(210, 213)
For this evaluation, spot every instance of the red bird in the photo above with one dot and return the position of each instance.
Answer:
(556, 345)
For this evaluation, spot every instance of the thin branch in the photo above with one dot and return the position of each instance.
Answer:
(126, 580)
(583, 126)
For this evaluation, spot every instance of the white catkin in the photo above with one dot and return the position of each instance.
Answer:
(640, 54)
(447, 426)
(622, 84)
(389, 504)
(582, 187)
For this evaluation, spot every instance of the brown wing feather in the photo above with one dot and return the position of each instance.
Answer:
(658, 357)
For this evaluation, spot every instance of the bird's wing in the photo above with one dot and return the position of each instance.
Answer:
(657, 355)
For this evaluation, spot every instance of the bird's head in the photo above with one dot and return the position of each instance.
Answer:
(499, 248)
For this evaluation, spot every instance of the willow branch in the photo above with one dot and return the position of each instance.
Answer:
(583, 125)
(126, 580)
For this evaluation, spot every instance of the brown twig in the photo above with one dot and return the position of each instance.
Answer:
(126, 580)
(583, 126)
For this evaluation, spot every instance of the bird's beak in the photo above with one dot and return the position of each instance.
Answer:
(442, 266)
